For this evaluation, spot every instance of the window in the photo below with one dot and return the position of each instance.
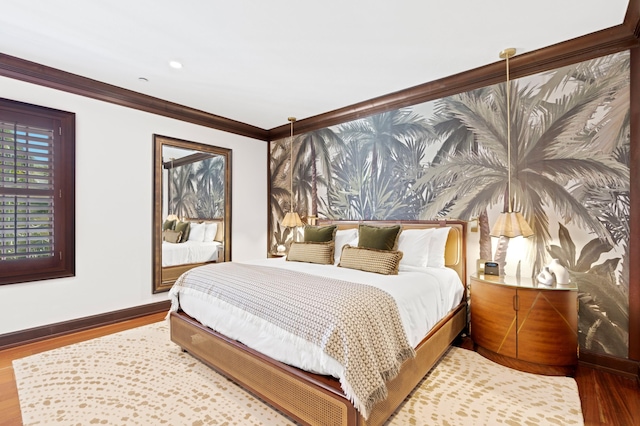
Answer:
(37, 193)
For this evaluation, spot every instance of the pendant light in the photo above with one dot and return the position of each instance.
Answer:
(291, 219)
(510, 224)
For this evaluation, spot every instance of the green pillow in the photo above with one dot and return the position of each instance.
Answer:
(183, 227)
(320, 234)
(379, 237)
(168, 224)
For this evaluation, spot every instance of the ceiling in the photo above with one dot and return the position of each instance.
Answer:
(259, 62)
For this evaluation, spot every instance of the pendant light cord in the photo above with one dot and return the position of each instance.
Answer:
(291, 120)
(509, 136)
(507, 53)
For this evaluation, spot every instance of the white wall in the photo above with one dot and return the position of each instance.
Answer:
(114, 181)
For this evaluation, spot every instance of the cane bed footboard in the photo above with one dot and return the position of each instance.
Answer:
(309, 398)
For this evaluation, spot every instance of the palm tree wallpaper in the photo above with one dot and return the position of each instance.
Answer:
(196, 190)
(448, 158)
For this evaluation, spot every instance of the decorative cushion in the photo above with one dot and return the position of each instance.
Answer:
(379, 237)
(196, 232)
(171, 236)
(183, 227)
(210, 231)
(312, 252)
(371, 260)
(168, 224)
(345, 236)
(437, 247)
(320, 234)
(415, 244)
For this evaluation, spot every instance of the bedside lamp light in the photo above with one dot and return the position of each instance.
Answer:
(510, 224)
(291, 219)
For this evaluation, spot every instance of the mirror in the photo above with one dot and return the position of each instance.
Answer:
(191, 207)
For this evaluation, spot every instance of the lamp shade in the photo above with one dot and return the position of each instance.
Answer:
(511, 225)
(291, 219)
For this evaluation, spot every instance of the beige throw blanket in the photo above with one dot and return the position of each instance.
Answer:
(356, 324)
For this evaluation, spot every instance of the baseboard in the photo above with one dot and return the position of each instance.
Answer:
(621, 366)
(35, 334)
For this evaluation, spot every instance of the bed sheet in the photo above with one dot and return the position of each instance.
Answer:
(423, 295)
(189, 252)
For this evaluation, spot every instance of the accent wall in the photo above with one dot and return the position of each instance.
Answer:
(447, 158)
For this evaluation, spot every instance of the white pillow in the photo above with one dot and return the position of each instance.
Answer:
(437, 247)
(210, 231)
(197, 232)
(344, 236)
(415, 245)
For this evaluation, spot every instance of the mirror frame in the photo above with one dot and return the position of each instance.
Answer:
(159, 142)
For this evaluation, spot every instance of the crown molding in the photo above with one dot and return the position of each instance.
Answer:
(601, 43)
(42, 75)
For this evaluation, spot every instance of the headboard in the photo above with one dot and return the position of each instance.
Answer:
(455, 250)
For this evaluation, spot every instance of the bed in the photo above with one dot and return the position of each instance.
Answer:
(178, 258)
(190, 252)
(310, 394)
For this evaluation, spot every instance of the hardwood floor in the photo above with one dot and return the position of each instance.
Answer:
(607, 399)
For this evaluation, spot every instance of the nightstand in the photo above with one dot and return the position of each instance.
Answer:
(525, 325)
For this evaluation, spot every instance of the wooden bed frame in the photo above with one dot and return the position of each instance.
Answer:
(314, 399)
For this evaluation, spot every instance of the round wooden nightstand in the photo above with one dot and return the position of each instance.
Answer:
(525, 325)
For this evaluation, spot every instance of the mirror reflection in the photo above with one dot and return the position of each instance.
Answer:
(191, 208)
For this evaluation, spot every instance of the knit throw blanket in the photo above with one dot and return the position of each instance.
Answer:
(356, 324)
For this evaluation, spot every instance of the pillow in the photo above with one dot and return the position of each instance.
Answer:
(345, 236)
(320, 234)
(210, 231)
(184, 228)
(370, 260)
(415, 244)
(437, 247)
(168, 224)
(196, 232)
(171, 236)
(311, 252)
(378, 237)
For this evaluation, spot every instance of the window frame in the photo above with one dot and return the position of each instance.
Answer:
(62, 264)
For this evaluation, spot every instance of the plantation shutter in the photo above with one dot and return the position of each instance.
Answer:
(27, 191)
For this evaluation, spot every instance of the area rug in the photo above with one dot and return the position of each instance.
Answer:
(140, 377)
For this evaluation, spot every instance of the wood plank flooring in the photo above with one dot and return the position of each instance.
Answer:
(607, 399)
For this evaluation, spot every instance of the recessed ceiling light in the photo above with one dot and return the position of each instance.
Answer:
(175, 64)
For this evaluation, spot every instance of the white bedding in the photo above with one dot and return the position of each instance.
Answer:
(189, 252)
(424, 296)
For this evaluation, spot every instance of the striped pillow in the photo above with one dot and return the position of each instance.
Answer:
(370, 260)
(312, 252)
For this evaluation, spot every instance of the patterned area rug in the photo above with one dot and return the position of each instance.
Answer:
(139, 377)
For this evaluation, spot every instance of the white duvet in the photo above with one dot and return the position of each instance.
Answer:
(423, 295)
(189, 252)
